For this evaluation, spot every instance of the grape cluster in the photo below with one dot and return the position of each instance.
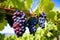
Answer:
(41, 20)
(32, 25)
(19, 23)
(9, 19)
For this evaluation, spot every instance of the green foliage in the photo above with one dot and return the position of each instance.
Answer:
(2, 0)
(10, 38)
(2, 36)
(58, 26)
(46, 5)
(50, 14)
(3, 22)
(21, 5)
(8, 4)
(28, 3)
(58, 15)
(42, 34)
(37, 12)
(18, 4)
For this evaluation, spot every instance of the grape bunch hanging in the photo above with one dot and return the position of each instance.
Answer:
(21, 22)
(41, 20)
(32, 25)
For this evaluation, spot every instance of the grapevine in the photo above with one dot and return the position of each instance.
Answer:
(17, 13)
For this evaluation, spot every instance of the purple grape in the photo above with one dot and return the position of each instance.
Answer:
(19, 23)
(32, 25)
(42, 19)
(9, 19)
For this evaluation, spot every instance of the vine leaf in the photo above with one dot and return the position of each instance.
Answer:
(50, 14)
(3, 22)
(28, 4)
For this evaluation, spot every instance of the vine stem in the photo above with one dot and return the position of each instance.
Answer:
(57, 37)
(8, 11)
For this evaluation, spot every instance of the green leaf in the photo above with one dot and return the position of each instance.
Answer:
(37, 12)
(46, 5)
(49, 7)
(58, 14)
(3, 22)
(22, 5)
(18, 4)
(2, 36)
(50, 15)
(49, 34)
(28, 4)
